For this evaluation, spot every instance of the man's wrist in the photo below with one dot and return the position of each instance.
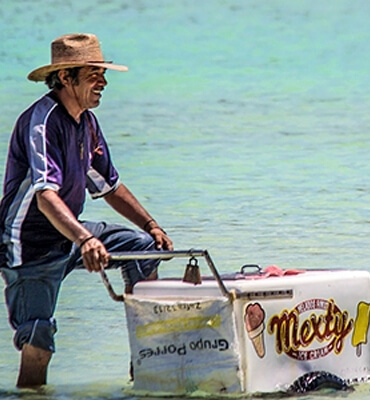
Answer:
(152, 224)
(85, 240)
(158, 227)
(149, 225)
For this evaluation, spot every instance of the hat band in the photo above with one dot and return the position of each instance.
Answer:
(99, 62)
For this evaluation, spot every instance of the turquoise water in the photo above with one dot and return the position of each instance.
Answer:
(242, 126)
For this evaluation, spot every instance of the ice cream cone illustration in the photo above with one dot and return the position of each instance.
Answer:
(361, 328)
(254, 322)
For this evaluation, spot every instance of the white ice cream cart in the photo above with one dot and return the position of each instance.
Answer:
(258, 330)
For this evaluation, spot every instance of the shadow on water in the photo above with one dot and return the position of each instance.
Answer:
(100, 391)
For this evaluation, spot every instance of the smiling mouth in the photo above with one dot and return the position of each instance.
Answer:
(98, 91)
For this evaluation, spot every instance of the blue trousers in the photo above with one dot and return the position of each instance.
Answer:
(32, 289)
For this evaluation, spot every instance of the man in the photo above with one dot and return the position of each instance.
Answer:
(56, 151)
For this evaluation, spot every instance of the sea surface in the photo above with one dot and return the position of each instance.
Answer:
(242, 126)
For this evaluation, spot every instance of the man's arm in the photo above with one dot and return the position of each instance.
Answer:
(126, 204)
(93, 252)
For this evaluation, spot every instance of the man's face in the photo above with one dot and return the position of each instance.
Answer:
(91, 83)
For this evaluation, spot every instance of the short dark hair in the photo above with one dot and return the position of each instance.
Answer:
(53, 81)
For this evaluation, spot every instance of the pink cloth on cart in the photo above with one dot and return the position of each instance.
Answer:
(273, 270)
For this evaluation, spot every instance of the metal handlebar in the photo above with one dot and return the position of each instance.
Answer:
(163, 255)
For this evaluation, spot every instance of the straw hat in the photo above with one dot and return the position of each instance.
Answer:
(74, 50)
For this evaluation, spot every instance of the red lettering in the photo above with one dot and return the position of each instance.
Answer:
(291, 334)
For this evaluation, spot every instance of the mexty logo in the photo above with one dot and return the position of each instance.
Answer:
(296, 335)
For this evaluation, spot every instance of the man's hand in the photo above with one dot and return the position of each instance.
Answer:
(162, 241)
(94, 254)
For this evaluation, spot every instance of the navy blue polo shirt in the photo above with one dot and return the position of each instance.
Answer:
(50, 150)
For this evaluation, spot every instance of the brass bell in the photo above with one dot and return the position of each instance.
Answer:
(192, 272)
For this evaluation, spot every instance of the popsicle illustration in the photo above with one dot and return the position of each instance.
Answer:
(254, 322)
(361, 328)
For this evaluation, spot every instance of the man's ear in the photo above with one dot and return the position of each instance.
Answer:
(63, 77)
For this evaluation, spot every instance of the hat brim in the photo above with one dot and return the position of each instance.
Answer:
(40, 74)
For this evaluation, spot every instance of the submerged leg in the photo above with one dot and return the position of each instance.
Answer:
(33, 368)
(31, 294)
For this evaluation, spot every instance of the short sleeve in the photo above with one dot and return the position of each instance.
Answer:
(102, 177)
